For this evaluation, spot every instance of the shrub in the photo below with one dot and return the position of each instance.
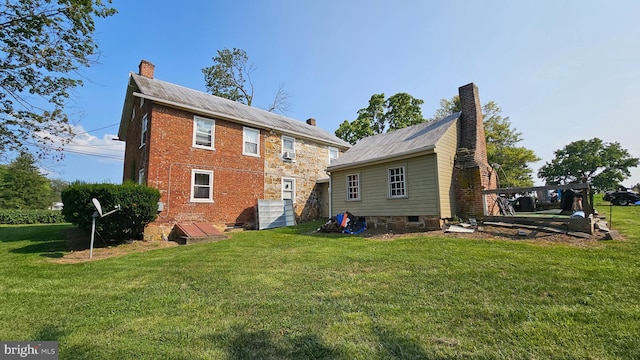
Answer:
(16, 217)
(138, 207)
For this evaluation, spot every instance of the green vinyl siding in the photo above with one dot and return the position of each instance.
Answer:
(446, 150)
(421, 189)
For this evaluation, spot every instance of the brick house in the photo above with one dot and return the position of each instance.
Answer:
(417, 176)
(212, 158)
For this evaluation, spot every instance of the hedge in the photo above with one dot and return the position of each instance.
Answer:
(138, 207)
(16, 217)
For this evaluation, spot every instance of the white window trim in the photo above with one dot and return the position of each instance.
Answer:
(141, 176)
(141, 102)
(331, 148)
(404, 182)
(144, 130)
(293, 141)
(244, 140)
(195, 132)
(293, 191)
(193, 180)
(359, 187)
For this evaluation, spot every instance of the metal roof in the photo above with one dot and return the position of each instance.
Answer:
(214, 106)
(394, 144)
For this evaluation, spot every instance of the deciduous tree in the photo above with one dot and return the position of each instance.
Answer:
(22, 186)
(508, 159)
(230, 77)
(396, 112)
(603, 165)
(43, 44)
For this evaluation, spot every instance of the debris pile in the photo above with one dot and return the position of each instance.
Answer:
(345, 223)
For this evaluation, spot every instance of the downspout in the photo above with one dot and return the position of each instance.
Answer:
(330, 197)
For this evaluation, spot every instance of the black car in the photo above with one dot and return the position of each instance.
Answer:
(622, 196)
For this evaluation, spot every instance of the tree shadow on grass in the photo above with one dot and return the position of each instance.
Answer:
(48, 332)
(243, 344)
(51, 249)
(47, 240)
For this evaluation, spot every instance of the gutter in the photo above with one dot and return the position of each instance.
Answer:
(431, 149)
(234, 119)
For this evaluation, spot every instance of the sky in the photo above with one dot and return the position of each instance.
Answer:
(561, 71)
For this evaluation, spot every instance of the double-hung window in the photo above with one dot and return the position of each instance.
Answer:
(251, 142)
(353, 187)
(201, 185)
(288, 148)
(203, 132)
(143, 130)
(397, 183)
(333, 154)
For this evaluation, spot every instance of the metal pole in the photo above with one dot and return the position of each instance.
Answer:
(93, 231)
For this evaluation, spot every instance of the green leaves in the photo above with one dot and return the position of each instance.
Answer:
(396, 112)
(41, 43)
(22, 186)
(604, 165)
(226, 77)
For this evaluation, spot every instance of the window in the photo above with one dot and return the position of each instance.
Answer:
(143, 132)
(251, 139)
(201, 186)
(133, 114)
(141, 176)
(333, 153)
(353, 187)
(397, 185)
(288, 189)
(141, 102)
(203, 132)
(288, 148)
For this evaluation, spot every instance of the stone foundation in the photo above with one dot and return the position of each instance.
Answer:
(402, 223)
(156, 232)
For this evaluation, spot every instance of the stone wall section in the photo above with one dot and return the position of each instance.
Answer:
(309, 165)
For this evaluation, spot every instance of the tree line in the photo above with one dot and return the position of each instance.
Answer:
(43, 44)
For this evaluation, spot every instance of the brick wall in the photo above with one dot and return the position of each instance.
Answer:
(472, 172)
(237, 179)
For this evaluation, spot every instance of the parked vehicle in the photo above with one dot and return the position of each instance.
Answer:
(622, 196)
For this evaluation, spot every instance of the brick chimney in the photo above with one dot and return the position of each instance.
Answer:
(472, 172)
(146, 69)
(311, 121)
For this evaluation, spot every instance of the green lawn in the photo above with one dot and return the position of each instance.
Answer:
(288, 294)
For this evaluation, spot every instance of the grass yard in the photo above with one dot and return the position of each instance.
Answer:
(290, 294)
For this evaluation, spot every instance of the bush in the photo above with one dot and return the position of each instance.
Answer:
(31, 217)
(138, 207)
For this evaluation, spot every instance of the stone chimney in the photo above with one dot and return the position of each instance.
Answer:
(311, 121)
(472, 172)
(146, 69)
